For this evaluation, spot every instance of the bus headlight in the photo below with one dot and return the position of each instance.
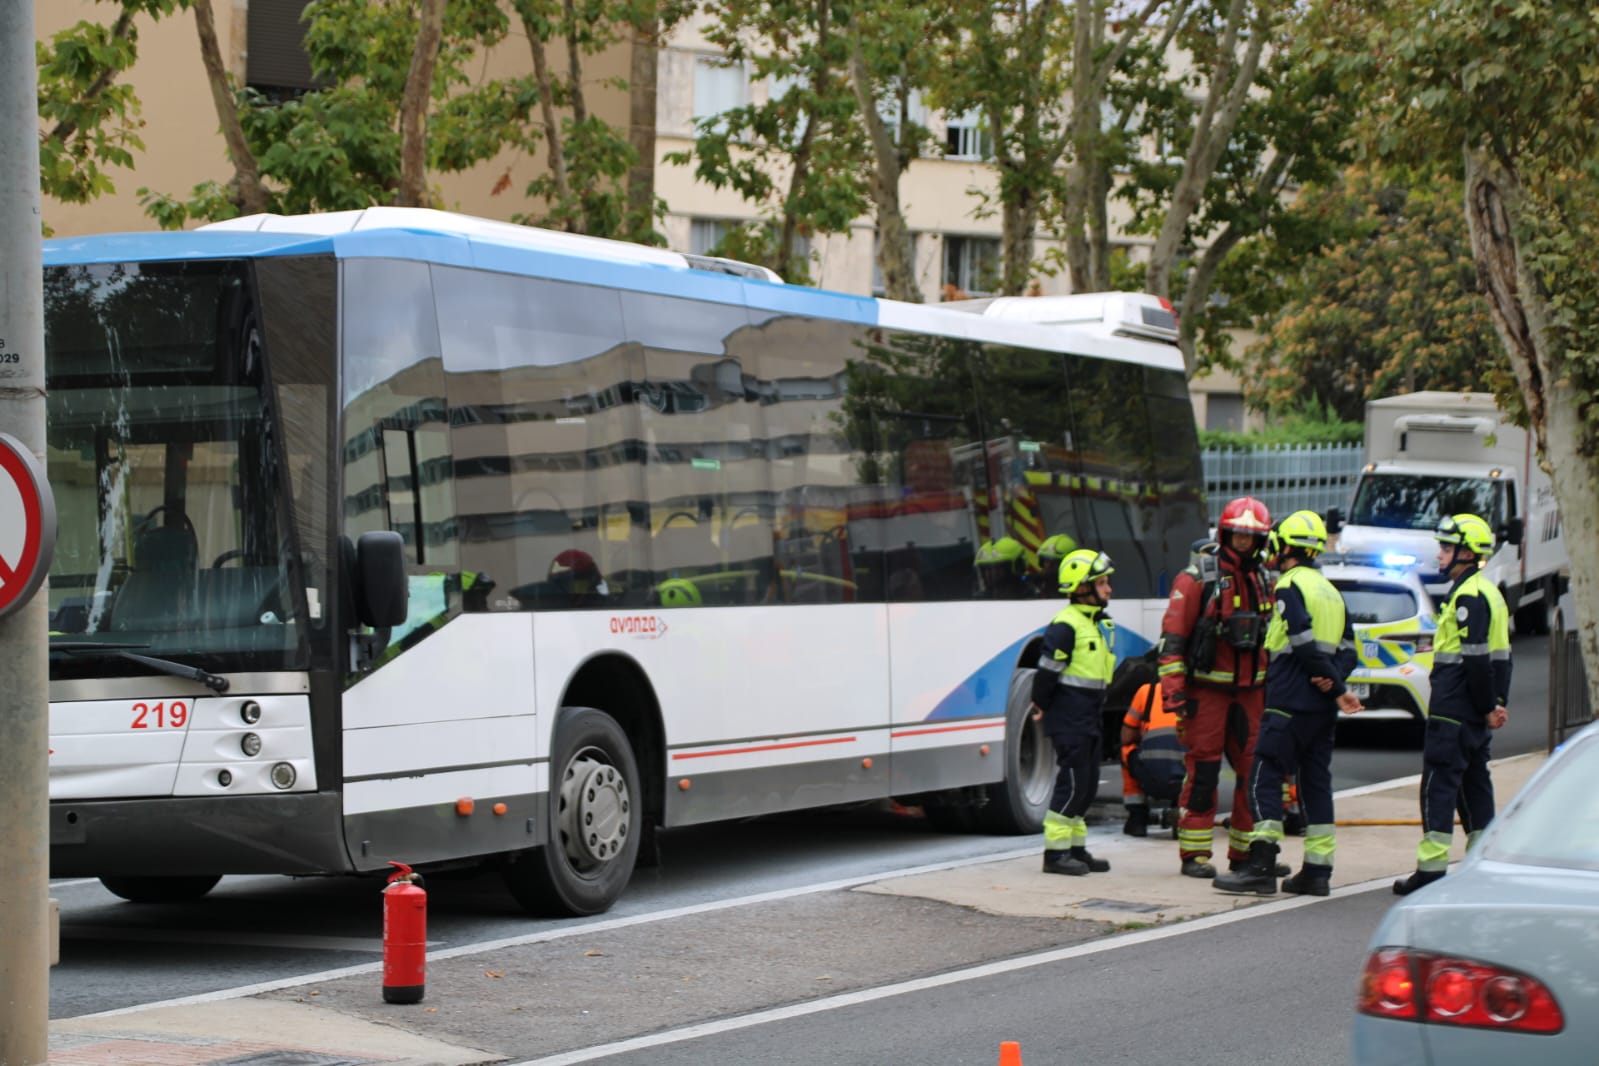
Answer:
(283, 775)
(224, 778)
(250, 712)
(251, 744)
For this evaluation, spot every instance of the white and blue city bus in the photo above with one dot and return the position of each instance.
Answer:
(398, 535)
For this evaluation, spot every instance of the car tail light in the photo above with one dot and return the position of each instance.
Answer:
(1442, 990)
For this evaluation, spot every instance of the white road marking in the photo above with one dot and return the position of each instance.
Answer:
(922, 984)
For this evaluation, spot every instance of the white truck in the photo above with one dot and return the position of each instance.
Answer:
(1430, 454)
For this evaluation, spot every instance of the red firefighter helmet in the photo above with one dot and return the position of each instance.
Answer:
(1246, 515)
(576, 573)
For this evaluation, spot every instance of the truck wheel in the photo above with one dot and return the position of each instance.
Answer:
(1534, 617)
(1017, 805)
(159, 889)
(593, 822)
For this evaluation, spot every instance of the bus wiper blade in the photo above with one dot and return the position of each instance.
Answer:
(211, 681)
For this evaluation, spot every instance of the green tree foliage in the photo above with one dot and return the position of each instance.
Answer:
(799, 153)
(835, 131)
(1388, 305)
(89, 121)
(592, 178)
(1009, 62)
(1513, 89)
(339, 147)
(1258, 111)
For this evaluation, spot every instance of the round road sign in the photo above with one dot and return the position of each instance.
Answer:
(27, 524)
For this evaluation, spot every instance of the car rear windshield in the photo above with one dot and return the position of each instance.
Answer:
(1369, 603)
(1557, 823)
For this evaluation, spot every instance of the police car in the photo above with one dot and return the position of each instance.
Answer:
(1395, 621)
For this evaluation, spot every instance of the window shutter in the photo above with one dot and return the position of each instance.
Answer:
(276, 56)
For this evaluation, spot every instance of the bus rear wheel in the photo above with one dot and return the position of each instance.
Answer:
(159, 889)
(1017, 804)
(593, 823)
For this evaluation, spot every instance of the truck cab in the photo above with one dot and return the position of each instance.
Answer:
(1433, 454)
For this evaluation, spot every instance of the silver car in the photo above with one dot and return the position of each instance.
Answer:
(1499, 961)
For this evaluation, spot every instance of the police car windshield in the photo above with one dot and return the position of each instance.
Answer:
(1369, 603)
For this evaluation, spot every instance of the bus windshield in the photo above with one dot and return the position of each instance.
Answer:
(171, 535)
(1418, 501)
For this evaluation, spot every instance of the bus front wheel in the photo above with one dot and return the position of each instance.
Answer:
(159, 889)
(594, 816)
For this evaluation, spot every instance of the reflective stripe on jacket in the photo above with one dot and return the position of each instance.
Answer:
(1310, 636)
(1075, 668)
(1471, 651)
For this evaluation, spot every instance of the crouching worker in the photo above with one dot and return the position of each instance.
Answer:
(1152, 758)
(1069, 695)
(1312, 649)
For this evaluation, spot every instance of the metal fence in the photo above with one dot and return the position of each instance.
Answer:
(1569, 707)
(1286, 478)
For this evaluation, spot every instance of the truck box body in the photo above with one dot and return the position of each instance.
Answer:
(1431, 454)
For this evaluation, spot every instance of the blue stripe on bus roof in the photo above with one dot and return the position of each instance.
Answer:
(464, 251)
(184, 244)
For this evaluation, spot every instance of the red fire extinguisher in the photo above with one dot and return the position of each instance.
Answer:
(405, 936)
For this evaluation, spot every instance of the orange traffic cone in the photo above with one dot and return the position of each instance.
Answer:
(1010, 1053)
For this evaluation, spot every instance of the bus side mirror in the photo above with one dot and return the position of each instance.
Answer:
(1514, 530)
(382, 592)
(1334, 519)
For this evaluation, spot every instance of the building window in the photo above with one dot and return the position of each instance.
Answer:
(777, 89)
(1224, 411)
(915, 111)
(967, 137)
(704, 234)
(971, 264)
(718, 86)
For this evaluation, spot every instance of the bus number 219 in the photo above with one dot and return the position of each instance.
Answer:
(160, 715)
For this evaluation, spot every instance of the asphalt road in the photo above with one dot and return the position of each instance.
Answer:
(1273, 987)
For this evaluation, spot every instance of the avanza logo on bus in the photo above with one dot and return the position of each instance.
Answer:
(647, 626)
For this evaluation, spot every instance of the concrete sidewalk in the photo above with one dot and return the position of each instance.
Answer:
(1143, 888)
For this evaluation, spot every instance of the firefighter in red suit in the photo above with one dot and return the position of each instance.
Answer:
(1213, 676)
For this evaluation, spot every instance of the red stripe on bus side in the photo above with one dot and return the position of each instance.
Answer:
(761, 747)
(945, 729)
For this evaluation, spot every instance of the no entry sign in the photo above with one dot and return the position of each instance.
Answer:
(27, 524)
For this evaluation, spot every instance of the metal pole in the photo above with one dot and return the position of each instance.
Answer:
(24, 659)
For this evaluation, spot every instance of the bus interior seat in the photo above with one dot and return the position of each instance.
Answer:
(159, 593)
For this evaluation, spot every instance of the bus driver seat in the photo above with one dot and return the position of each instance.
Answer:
(159, 593)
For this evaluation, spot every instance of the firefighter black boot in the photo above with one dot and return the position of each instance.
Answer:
(1137, 824)
(1309, 881)
(1064, 862)
(1196, 867)
(1258, 876)
(1234, 866)
(1098, 866)
(1416, 880)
